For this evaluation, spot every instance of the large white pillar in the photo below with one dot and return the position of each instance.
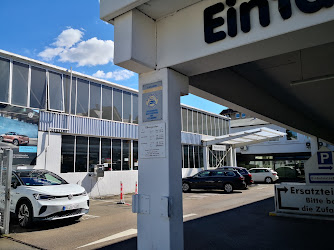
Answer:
(159, 202)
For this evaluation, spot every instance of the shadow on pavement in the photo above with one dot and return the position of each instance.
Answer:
(250, 227)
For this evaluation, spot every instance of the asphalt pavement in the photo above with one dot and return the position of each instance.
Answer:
(250, 227)
(244, 227)
(7, 243)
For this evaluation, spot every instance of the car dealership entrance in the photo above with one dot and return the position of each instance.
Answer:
(270, 59)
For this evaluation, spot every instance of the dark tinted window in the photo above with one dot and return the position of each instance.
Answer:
(56, 92)
(38, 88)
(106, 103)
(95, 100)
(126, 107)
(82, 97)
(243, 171)
(20, 84)
(4, 80)
(67, 154)
(116, 154)
(117, 105)
(135, 108)
(204, 174)
(81, 154)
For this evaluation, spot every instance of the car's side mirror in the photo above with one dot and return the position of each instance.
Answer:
(15, 184)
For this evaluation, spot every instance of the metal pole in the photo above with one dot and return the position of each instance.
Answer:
(9, 154)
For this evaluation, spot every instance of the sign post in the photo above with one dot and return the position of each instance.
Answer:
(6, 161)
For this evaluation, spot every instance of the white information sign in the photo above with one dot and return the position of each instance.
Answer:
(319, 169)
(300, 198)
(152, 140)
(219, 147)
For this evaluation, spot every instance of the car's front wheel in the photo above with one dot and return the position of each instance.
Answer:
(268, 180)
(25, 214)
(185, 187)
(16, 142)
(228, 188)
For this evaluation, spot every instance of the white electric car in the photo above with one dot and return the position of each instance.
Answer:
(42, 195)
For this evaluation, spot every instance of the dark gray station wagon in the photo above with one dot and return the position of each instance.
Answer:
(214, 179)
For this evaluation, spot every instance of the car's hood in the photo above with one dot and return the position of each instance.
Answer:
(57, 190)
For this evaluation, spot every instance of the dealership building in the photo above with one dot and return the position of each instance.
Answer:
(85, 121)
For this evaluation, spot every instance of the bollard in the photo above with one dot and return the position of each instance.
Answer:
(136, 189)
(121, 196)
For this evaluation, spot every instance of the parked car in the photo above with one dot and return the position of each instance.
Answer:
(14, 138)
(43, 195)
(266, 175)
(243, 171)
(214, 179)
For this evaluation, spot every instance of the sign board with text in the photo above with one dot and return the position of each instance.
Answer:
(319, 169)
(152, 140)
(152, 102)
(219, 147)
(300, 198)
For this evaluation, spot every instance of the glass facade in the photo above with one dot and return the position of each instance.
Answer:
(20, 84)
(38, 88)
(67, 154)
(116, 154)
(80, 154)
(127, 107)
(117, 107)
(192, 156)
(4, 80)
(194, 121)
(56, 100)
(82, 97)
(106, 103)
(95, 100)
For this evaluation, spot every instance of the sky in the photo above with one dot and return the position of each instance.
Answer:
(70, 33)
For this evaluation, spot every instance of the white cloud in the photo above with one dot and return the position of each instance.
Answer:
(50, 53)
(68, 38)
(90, 53)
(68, 48)
(118, 75)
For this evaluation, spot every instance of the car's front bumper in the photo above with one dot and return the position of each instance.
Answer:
(60, 208)
(63, 215)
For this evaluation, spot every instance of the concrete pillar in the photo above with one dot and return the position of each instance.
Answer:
(234, 155)
(206, 157)
(159, 202)
(314, 145)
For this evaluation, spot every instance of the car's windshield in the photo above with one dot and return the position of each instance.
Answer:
(40, 178)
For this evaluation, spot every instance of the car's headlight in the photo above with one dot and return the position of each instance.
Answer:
(43, 197)
(84, 193)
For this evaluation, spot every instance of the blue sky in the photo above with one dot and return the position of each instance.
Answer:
(69, 33)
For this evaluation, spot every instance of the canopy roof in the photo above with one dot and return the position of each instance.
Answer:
(244, 138)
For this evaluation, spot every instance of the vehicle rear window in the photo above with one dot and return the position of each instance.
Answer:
(243, 171)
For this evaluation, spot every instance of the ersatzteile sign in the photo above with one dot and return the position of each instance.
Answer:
(152, 102)
(300, 198)
(152, 140)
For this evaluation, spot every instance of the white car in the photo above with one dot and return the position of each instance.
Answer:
(42, 195)
(266, 175)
